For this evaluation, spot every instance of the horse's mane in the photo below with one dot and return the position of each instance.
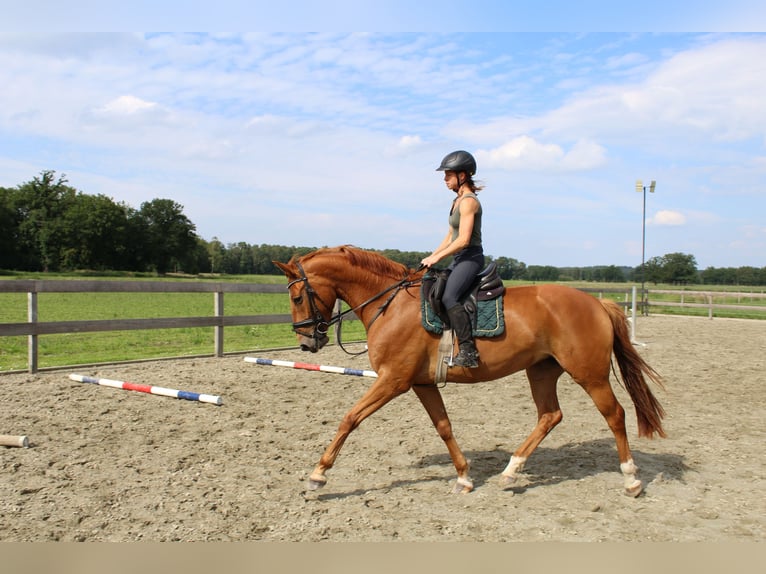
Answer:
(369, 261)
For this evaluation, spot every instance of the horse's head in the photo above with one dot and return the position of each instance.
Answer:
(311, 305)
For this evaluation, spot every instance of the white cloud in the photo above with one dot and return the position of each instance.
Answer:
(626, 60)
(526, 153)
(585, 154)
(340, 121)
(274, 126)
(711, 92)
(127, 105)
(754, 232)
(405, 146)
(667, 217)
(715, 91)
(522, 152)
(408, 142)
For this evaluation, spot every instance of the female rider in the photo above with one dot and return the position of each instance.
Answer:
(463, 241)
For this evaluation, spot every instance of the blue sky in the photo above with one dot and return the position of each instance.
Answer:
(325, 138)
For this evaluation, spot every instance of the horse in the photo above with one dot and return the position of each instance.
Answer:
(550, 329)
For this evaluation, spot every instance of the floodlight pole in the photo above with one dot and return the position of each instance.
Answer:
(640, 187)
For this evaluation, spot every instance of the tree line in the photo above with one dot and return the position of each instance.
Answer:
(47, 225)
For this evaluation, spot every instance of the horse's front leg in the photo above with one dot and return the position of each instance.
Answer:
(381, 392)
(432, 400)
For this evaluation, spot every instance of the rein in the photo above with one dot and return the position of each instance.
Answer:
(317, 320)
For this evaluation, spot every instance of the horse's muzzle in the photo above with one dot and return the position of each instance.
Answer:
(313, 344)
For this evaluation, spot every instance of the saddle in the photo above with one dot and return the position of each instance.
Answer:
(483, 302)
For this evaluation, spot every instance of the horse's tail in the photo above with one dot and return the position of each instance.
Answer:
(649, 412)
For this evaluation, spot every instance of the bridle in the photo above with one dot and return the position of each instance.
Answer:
(321, 325)
(316, 320)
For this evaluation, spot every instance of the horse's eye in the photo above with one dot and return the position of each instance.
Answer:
(298, 300)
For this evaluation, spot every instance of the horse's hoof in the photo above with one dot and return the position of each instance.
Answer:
(463, 486)
(634, 490)
(507, 481)
(315, 483)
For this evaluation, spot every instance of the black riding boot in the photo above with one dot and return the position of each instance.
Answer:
(467, 356)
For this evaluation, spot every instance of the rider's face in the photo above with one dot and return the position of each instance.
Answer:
(451, 180)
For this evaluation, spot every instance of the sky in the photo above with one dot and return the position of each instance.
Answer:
(311, 138)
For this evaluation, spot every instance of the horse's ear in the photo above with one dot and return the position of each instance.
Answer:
(287, 270)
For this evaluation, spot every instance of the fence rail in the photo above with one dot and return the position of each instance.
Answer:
(709, 298)
(34, 328)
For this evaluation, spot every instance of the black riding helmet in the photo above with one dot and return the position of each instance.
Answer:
(458, 161)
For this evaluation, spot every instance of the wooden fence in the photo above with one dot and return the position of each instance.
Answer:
(690, 299)
(34, 328)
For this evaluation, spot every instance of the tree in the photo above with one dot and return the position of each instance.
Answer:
(748, 276)
(96, 231)
(169, 236)
(613, 274)
(411, 259)
(713, 276)
(679, 268)
(8, 230)
(39, 205)
(510, 268)
(734, 276)
(542, 273)
(263, 256)
(216, 252)
(238, 259)
(197, 260)
(652, 271)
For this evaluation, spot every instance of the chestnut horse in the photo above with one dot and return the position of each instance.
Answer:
(549, 330)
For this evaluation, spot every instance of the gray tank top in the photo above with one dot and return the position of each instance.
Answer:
(454, 222)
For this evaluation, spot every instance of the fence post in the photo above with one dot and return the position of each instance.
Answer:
(32, 339)
(633, 316)
(710, 306)
(218, 329)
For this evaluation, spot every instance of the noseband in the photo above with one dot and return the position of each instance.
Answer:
(316, 320)
(320, 324)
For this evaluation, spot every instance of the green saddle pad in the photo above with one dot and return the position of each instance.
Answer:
(490, 321)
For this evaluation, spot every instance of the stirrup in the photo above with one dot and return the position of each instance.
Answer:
(467, 359)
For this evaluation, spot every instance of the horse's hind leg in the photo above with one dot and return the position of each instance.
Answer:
(543, 377)
(603, 397)
(432, 400)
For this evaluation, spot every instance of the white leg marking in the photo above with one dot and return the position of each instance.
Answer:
(632, 484)
(629, 467)
(514, 466)
(463, 485)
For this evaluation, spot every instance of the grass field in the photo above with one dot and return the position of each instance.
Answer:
(83, 348)
(111, 346)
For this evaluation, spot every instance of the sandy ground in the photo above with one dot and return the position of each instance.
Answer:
(115, 465)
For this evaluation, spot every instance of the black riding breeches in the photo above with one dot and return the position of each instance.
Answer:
(466, 265)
